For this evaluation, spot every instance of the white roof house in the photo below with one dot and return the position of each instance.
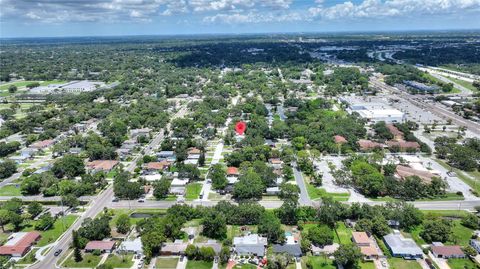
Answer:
(177, 182)
(153, 177)
(134, 246)
(401, 246)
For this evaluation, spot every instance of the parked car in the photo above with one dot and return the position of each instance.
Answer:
(141, 200)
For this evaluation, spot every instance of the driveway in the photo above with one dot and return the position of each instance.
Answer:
(182, 264)
(442, 263)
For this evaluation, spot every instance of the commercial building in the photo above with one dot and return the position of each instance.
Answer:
(19, 244)
(418, 86)
(373, 112)
(69, 87)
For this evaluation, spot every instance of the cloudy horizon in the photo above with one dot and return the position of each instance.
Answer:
(36, 18)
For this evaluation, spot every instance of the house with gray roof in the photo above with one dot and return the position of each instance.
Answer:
(252, 244)
(132, 246)
(403, 247)
(292, 249)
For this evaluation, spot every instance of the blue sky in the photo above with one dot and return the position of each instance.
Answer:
(33, 18)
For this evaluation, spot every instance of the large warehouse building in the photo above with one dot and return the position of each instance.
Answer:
(374, 112)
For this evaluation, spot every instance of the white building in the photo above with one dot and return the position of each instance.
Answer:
(376, 112)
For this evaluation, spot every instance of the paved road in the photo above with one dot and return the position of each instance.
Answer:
(36, 164)
(304, 198)
(102, 200)
(41, 198)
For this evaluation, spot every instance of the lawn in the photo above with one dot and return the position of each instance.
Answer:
(464, 83)
(10, 190)
(317, 193)
(199, 265)
(166, 263)
(89, 261)
(51, 235)
(366, 265)
(193, 191)
(318, 262)
(399, 263)
(117, 261)
(245, 266)
(460, 233)
(344, 234)
(461, 264)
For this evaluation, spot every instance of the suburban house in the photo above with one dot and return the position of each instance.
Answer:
(19, 244)
(102, 246)
(276, 163)
(28, 152)
(366, 145)
(140, 132)
(166, 155)
(366, 244)
(42, 144)
(217, 247)
(339, 139)
(101, 165)
(273, 191)
(403, 247)
(252, 244)
(132, 246)
(232, 175)
(175, 248)
(291, 246)
(156, 166)
(403, 145)
(447, 252)
(193, 153)
(328, 249)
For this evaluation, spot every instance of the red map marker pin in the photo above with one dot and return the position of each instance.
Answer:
(240, 127)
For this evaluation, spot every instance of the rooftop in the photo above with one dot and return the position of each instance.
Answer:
(100, 245)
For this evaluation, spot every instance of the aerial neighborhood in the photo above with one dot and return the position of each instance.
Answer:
(279, 152)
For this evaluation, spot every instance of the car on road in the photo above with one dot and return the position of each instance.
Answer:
(115, 199)
(141, 200)
(57, 252)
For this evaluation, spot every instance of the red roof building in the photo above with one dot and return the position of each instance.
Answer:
(102, 165)
(397, 134)
(405, 171)
(42, 144)
(368, 144)
(193, 151)
(162, 165)
(19, 244)
(103, 246)
(339, 139)
(232, 171)
(447, 252)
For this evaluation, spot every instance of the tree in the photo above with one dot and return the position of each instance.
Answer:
(249, 186)
(95, 229)
(7, 168)
(4, 218)
(471, 221)
(161, 188)
(77, 255)
(45, 222)
(289, 192)
(152, 242)
(278, 261)
(218, 175)
(70, 200)
(31, 185)
(287, 172)
(69, 166)
(436, 230)
(224, 254)
(214, 225)
(320, 235)
(347, 255)
(470, 251)
(15, 219)
(206, 253)
(12, 88)
(271, 227)
(123, 188)
(123, 224)
(191, 252)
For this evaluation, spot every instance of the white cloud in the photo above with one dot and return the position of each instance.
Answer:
(389, 8)
(253, 17)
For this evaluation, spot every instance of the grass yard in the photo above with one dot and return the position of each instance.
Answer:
(49, 236)
(10, 190)
(89, 261)
(199, 265)
(399, 263)
(234, 230)
(464, 83)
(343, 235)
(318, 262)
(193, 191)
(461, 264)
(318, 193)
(245, 266)
(366, 265)
(117, 261)
(166, 263)
(460, 233)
